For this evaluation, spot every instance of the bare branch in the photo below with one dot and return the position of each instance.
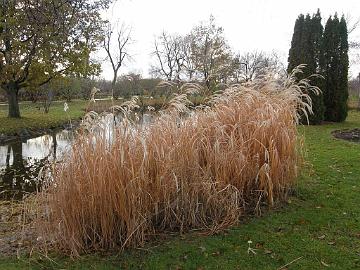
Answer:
(169, 54)
(351, 26)
(117, 53)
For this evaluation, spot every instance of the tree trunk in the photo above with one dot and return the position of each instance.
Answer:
(12, 95)
(54, 145)
(113, 83)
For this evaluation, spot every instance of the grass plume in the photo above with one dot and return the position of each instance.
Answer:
(202, 171)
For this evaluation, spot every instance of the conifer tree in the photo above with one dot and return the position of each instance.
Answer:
(295, 52)
(313, 62)
(334, 67)
(305, 49)
(344, 70)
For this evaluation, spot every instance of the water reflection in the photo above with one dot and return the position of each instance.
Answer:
(21, 162)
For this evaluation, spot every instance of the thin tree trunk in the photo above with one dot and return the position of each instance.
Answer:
(54, 145)
(18, 161)
(8, 156)
(113, 83)
(13, 101)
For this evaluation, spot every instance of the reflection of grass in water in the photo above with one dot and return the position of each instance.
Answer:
(20, 178)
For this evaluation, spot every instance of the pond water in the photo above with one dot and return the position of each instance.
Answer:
(21, 161)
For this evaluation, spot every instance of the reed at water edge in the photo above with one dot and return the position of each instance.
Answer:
(203, 171)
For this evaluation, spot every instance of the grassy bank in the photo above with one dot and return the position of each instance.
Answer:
(35, 118)
(320, 225)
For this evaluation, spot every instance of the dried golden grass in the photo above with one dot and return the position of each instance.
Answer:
(202, 171)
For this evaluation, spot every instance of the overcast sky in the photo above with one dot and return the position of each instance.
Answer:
(248, 25)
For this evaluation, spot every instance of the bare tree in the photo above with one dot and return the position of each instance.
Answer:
(116, 48)
(168, 50)
(354, 45)
(210, 52)
(351, 24)
(251, 65)
(190, 58)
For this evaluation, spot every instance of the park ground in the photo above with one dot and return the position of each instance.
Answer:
(318, 227)
(34, 118)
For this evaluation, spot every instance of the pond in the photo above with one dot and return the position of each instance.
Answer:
(22, 161)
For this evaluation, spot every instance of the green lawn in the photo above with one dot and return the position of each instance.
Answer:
(319, 227)
(33, 118)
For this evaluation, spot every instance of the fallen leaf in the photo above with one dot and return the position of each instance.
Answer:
(203, 249)
(325, 264)
(302, 221)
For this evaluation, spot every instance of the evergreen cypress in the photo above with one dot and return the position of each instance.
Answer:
(344, 70)
(305, 49)
(334, 66)
(295, 52)
(314, 50)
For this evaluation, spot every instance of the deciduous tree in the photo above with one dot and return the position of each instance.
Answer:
(169, 53)
(41, 40)
(210, 52)
(117, 49)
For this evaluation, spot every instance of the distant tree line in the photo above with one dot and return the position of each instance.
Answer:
(354, 87)
(51, 57)
(204, 55)
(72, 87)
(325, 52)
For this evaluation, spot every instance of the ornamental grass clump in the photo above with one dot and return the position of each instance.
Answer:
(198, 169)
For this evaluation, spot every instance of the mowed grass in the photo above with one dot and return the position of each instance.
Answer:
(319, 226)
(34, 118)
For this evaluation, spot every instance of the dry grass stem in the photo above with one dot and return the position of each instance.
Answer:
(205, 170)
